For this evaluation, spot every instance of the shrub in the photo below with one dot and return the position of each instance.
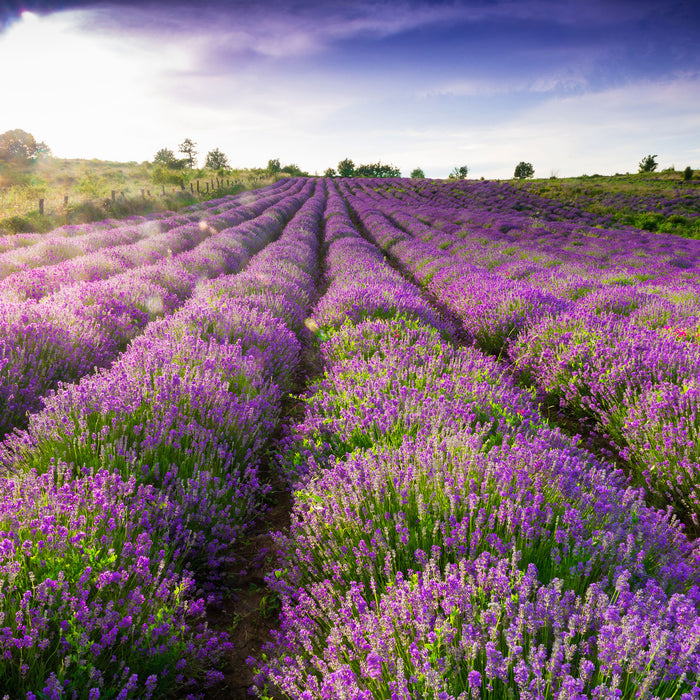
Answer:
(163, 175)
(16, 224)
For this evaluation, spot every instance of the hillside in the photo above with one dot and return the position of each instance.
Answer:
(98, 189)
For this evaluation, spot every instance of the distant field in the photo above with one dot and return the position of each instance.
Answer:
(660, 202)
(442, 437)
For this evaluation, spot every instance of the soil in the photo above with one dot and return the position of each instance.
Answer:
(249, 612)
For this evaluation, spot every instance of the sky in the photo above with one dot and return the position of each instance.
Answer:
(572, 86)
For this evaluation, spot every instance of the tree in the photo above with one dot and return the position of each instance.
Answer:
(42, 150)
(688, 173)
(330, 172)
(523, 170)
(648, 164)
(165, 157)
(294, 170)
(188, 147)
(459, 173)
(273, 166)
(346, 168)
(216, 160)
(417, 172)
(377, 170)
(21, 147)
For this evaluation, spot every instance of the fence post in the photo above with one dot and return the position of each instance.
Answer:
(192, 187)
(114, 195)
(41, 207)
(197, 186)
(143, 194)
(207, 190)
(148, 192)
(163, 186)
(65, 202)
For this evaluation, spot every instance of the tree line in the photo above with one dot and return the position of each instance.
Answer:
(19, 148)
(169, 168)
(347, 168)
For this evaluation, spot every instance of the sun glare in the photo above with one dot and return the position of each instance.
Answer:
(69, 85)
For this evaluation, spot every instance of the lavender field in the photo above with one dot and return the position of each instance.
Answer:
(494, 470)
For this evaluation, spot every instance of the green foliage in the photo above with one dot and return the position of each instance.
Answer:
(329, 172)
(90, 185)
(417, 172)
(273, 166)
(459, 173)
(377, 170)
(188, 147)
(52, 179)
(163, 175)
(164, 157)
(523, 170)
(648, 164)
(346, 168)
(294, 170)
(619, 200)
(688, 174)
(16, 224)
(216, 160)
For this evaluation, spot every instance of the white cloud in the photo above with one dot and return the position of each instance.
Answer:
(90, 89)
(274, 29)
(597, 132)
(279, 29)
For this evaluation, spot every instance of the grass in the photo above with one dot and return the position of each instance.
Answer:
(89, 185)
(657, 202)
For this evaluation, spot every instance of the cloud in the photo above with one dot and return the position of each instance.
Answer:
(281, 28)
(313, 83)
(604, 132)
(599, 132)
(269, 29)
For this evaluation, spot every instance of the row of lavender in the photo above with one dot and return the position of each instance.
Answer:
(618, 346)
(129, 488)
(76, 239)
(484, 213)
(445, 542)
(60, 261)
(27, 250)
(86, 324)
